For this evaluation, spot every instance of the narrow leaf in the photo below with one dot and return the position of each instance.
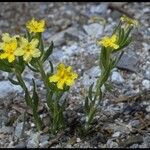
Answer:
(13, 81)
(51, 65)
(48, 52)
(35, 96)
(32, 68)
(90, 91)
(86, 105)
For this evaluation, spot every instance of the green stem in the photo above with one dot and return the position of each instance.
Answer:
(24, 87)
(43, 75)
(37, 119)
(28, 99)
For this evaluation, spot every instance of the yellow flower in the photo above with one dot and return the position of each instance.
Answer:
(129, 21)
(27, 49)
(35, 26)
(64, 76)
(8, 47)
(109, 42)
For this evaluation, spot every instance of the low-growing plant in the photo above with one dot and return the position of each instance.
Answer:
(20, 51)
(120, 38)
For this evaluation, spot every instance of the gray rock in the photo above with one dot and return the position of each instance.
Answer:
(116, 14)
(57, 55)
(132, 140)
(146, 84)
(7, 88)
(44, 138)
(128, 63)
(18, 130)
(148, 108)
(70, 50)
(111, 144)
(70, 33)
(90, 76)
(6, 130)
(147, 74)
(99, 9)
(75, 34)
(57, 38)
(20, 145)
(147, 141)
(116, 134)
(33, 141)
(116, 78)
(44, 144)
(134, 146)
(135, 123)
(94, 30)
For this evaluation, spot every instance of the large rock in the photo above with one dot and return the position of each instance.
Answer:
(128, 63)
(90, 76)
(7, 88)
(95, 30)
(146, 84)
(33, 141)
(71, 33)
(117, 78)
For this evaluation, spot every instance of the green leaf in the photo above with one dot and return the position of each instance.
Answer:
(105, 75)
(103, 58)
(21, 64)
(91, 115)
(127, 42)
(13, 81)
(86, 105)
(51, 65)
(49, 100)
(27, 98)
(32, 68)
(121, 36)
(28, 35)
(126, 35)
(4, 66)
(108, 87)
(48, 52)
(35, 96)
(90, 91)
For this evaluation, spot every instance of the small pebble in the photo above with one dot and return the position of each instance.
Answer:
(146, 84)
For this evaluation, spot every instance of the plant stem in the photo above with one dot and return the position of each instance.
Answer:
(43, 75)
(28, 99)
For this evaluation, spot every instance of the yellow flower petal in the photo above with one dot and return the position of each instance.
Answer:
(53, 78)
(35, 26)
(19, 52)
(36, 53)
(11, 58)
(4, 55)
(60, 84)
(64, 76)
(27, 57)
(34, 42)
(109, 42)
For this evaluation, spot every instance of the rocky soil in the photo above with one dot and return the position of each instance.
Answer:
(124, 119)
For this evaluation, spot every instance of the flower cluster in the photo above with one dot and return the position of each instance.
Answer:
(110, 42)
(35, 26)
(8, 47)
(129, 21)
(20, 46)
(64, 76)
(28, 49)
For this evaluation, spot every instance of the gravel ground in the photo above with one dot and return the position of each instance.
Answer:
(124, 119)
